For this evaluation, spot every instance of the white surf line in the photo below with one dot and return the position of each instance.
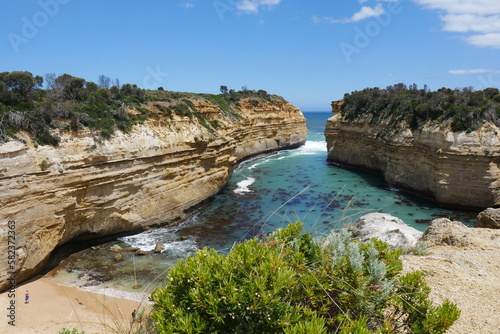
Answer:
(243, 186)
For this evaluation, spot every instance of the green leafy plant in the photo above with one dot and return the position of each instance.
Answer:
(72, 331)
(291, 283)
(44, 165)
(253, 103)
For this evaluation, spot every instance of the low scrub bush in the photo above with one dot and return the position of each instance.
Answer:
(290, 283)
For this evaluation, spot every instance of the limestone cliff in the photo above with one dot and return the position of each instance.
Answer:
(456, 169)
(89, 187)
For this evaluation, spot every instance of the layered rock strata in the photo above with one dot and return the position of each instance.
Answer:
(88, 187)
(456, 169)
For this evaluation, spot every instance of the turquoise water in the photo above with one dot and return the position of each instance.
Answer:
(270, 191)
(264, 193)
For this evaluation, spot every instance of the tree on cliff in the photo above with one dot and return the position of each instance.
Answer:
(104, 81)
(22, 84)
(223, 90)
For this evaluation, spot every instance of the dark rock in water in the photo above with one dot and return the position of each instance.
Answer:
(158, 248)
(115, 248)
(119, 257)
(118, 248)
(489, 218)
(141, 252)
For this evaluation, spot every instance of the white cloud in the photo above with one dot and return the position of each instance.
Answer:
(367, 12)
(485, 40)
(472, 71)
(465, 16)
(478, 7)
(248, 6)
(364, 13)
(187, 4)
(316, 19)
(469, 22)
(252, 6)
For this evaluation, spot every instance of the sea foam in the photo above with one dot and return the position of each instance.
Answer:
(243, 186)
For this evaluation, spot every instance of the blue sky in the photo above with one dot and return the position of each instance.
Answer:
(309, 51)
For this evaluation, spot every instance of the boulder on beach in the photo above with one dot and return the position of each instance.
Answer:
(387, 228)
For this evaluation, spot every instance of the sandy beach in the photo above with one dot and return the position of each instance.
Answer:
(53, 307)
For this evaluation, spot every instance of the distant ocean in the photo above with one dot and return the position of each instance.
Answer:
(265, 193)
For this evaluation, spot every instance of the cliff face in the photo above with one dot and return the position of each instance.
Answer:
(456, 169)
(88, 187)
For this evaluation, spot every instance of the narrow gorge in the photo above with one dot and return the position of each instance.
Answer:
(90, 187)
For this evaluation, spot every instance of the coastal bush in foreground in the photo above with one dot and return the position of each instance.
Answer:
(290, 283)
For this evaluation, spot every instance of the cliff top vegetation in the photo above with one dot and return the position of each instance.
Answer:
(400, 106)
(68, 103)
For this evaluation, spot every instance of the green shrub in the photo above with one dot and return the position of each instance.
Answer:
(72, 331)
(44, 165)
(215, 123)
(253, 103)
(182, 109)
(290, 283)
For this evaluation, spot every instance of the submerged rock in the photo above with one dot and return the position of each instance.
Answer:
(115, 248)
(387, 228)
(119, 249)
(119, 257)
(489, 218)
(158, 248)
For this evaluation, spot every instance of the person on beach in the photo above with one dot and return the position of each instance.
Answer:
(133, 316)
(27, 297)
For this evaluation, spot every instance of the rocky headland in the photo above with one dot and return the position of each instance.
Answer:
(89, 187)
(457, 169)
